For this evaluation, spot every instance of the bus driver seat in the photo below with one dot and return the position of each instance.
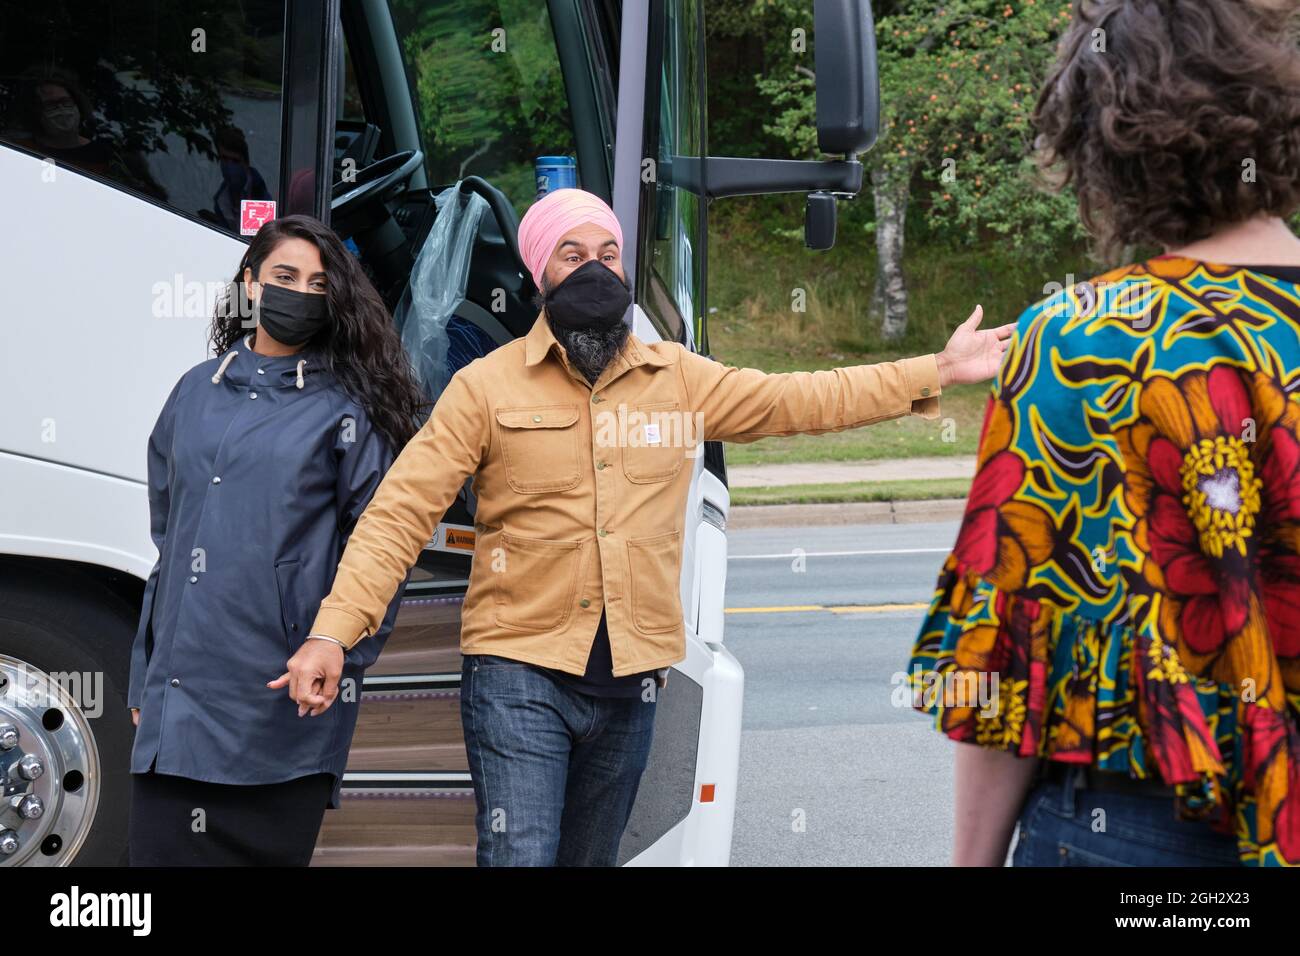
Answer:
(468, 260)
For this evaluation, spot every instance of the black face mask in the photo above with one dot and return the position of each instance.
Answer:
(289, 316)
(592, 296)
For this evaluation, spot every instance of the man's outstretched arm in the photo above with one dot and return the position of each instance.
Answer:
(388, 538)
(745, 404)
(404, 512)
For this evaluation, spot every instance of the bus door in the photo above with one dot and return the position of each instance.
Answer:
(442, 108)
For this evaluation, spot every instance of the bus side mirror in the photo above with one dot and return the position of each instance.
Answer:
(819, 221)
(848, 86)
(848, 122)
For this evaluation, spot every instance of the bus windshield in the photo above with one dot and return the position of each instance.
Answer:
(488, 89)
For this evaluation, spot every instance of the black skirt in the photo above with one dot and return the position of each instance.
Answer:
(176, 821)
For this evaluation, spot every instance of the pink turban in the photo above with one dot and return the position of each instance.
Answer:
(555, 214)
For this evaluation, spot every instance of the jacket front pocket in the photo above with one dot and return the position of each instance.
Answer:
(655, 442)
(654, 565)
(535, 582)
(539, 445)
(291, 613)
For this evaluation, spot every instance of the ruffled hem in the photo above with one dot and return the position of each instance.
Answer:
(1013, 673)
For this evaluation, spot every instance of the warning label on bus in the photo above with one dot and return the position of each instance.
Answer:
(452, 537)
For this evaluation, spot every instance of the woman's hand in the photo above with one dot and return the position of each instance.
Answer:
(973, 354)
(313, 676)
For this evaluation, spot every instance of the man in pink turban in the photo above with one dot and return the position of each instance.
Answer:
(572, 245)
(578, 436)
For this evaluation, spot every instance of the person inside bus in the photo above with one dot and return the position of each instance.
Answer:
(1114, 642)
(260, 463)
(58, 116)
(239, 180)
(573, 608)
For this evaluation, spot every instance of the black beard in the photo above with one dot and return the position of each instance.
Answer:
(590, 350)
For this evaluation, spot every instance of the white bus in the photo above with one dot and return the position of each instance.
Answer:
(140, 143)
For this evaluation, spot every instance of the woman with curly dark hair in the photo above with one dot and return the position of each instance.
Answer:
(1115, 638)
(260, 464)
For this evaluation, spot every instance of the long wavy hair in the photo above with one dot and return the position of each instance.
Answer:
(359, 345)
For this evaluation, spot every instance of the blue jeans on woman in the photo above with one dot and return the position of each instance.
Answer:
(555, 771)
(1066, 824)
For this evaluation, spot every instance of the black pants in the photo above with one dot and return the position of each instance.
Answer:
(176, 821)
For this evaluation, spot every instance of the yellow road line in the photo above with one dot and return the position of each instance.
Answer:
(774, 610)
(838, 609)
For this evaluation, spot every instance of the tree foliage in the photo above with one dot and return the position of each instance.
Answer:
(489, 88)
(958, 83)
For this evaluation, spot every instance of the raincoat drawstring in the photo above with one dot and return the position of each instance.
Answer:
(222, 367)
(230, 355)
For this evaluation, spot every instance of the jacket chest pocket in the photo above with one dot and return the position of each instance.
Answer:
(655, 443)
(539, 446)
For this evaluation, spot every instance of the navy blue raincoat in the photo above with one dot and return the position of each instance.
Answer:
(258, 470)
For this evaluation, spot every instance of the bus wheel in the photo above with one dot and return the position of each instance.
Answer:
(65, 732)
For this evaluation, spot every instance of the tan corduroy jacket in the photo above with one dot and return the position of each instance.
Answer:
(582, 489)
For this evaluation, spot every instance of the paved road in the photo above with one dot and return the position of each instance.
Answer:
(832, 772)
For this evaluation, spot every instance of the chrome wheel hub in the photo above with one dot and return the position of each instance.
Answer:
(49, 768)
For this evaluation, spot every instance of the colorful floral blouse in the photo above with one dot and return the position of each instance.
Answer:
(1125, 587)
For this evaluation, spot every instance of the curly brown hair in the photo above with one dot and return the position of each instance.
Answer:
(1172, 118)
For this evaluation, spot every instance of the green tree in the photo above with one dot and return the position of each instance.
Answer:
(489, 89)
(958, 82)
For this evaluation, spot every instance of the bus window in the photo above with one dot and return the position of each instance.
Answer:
(489, 90)
(177, 105)
(673, 290)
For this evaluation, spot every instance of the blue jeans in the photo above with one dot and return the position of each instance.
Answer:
(555, 771)
(1061, 825)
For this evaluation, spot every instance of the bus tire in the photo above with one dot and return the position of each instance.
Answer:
(82, 629)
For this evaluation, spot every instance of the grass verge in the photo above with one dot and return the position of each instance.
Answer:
(920, 489)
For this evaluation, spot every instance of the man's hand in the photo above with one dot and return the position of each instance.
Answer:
(972, 354)
(313, 676)
(135, 716)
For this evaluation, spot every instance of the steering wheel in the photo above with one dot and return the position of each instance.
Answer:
(372, 186)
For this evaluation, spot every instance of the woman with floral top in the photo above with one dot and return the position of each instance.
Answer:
(1115, 638)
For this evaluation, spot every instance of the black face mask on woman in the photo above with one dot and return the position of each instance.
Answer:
(289, 316)
(592, 296)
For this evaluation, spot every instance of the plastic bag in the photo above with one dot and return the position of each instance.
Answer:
(438, 283)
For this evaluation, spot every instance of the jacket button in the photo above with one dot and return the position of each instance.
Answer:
(216, 479)
(925, 390)
(602, 532)
(584, 603)
(252, 394)
(600, 466)
(596, 399)
(537, 418)
(194, 580)
(176, 682)
(261, 371)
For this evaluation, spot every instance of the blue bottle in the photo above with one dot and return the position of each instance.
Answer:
(555, 172)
